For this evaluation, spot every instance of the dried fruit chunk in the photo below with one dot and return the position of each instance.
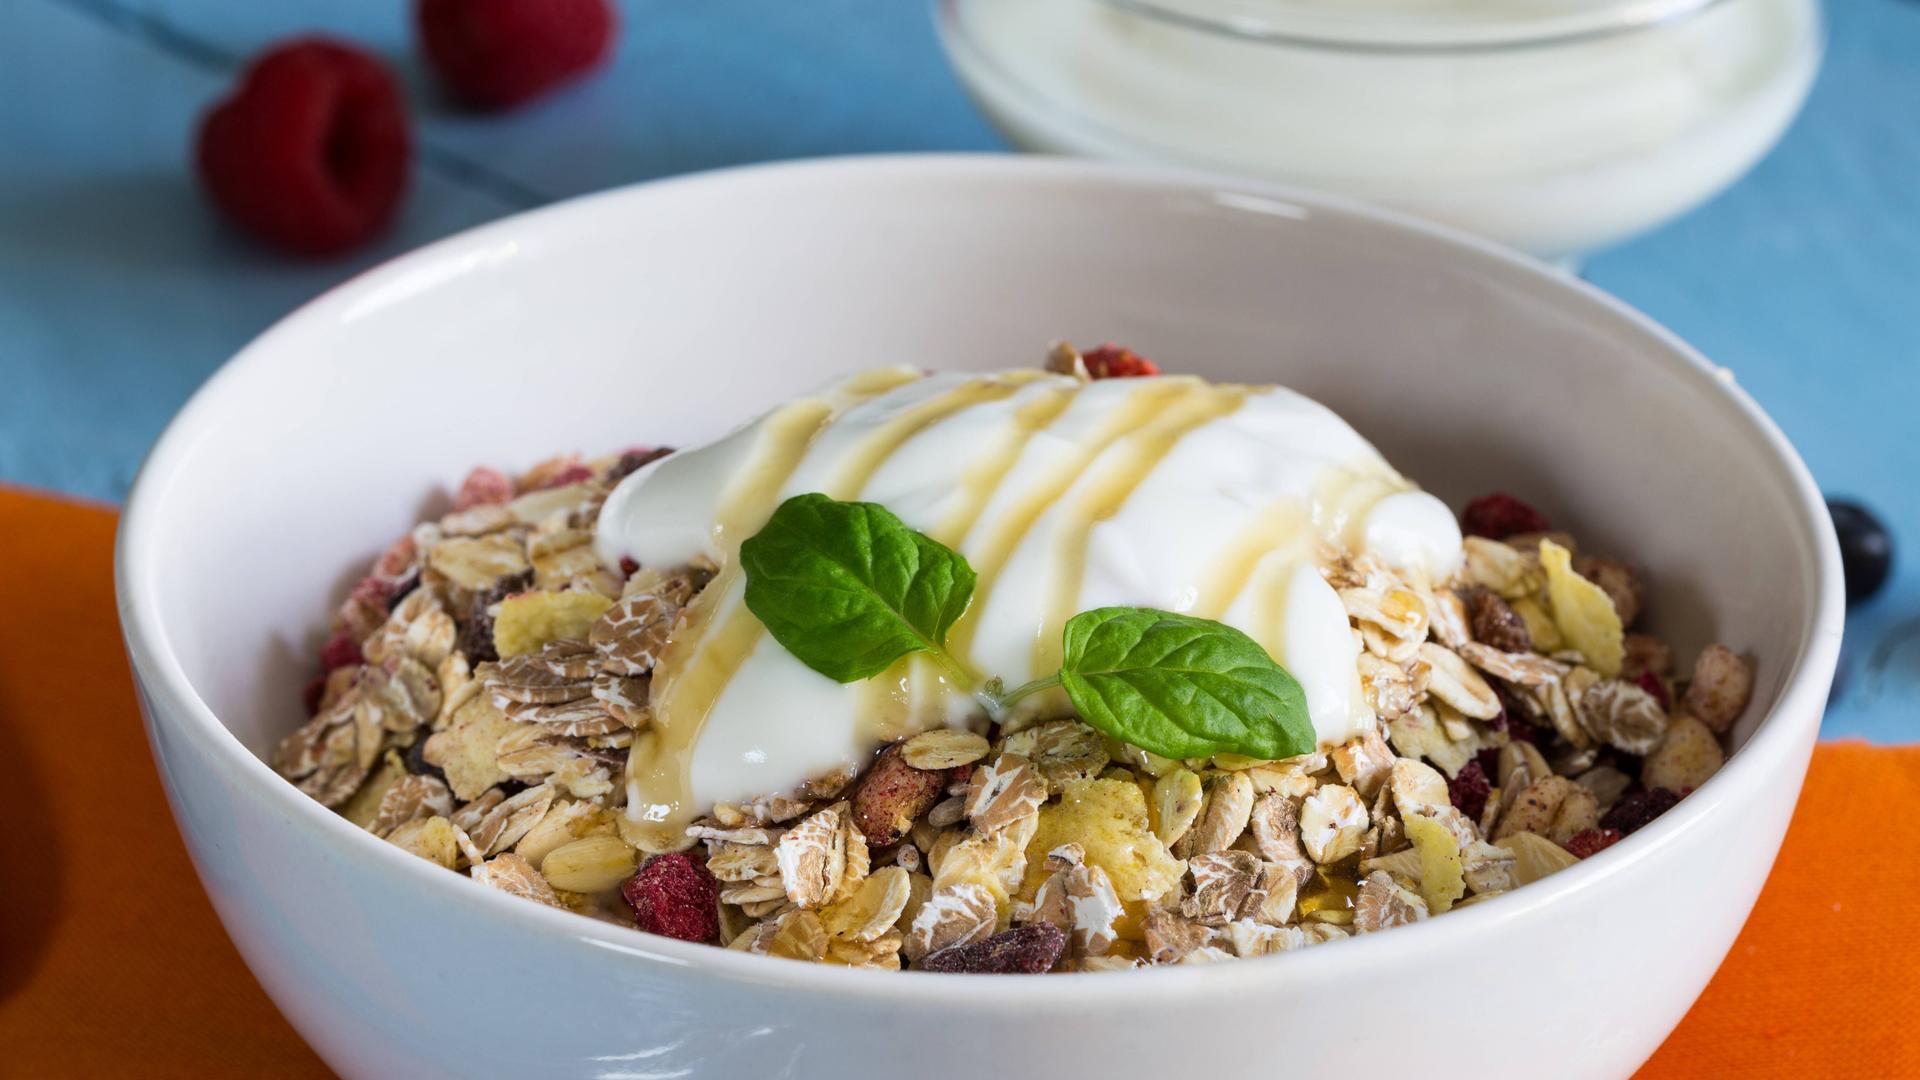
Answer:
(1687, 756)
(1109, 819)
(1499, 515)
(1023, 950)
(1469, 788)
(1583, 611)
(528, 621)
(675, 896)
(1635, 810)
(944, 748)
(1333, 821)
(892, 796)
(1496, 624)
(1722, 685)
(1442, 880)
(514, 876)
(1591, 842)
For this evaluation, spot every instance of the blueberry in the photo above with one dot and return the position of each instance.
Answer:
(1866, 549)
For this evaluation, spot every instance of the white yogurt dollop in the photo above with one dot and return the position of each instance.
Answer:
(1168, 492)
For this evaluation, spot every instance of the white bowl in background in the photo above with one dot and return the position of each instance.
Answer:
(670, 311)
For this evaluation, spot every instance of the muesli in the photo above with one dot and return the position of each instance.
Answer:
(510, 694)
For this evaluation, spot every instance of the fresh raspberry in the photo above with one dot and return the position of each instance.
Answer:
(1112, 361)
(1469, 788)
(341, 650)
(494, 54)
(1587, 843)
(1500, 515)
(675, 895)
(1024, 950)
(310, 152)
(483, 487)
(1635, 810)
(1651, 683)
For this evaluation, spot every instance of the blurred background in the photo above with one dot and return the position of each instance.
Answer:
(122, 287)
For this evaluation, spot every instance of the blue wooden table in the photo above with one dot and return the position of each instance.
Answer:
(119, 293)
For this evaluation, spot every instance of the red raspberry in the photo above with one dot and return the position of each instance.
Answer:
(493, 54)
(1587, 843)
(310, 152)
(1635, 810)
(1500, 515)
(483, 487)
(675, 895)
(1469, 788)
(1023, 950)
(341, 650)
(1651, 683)
(1112, 361)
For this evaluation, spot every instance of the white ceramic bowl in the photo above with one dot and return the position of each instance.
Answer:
(670, 311)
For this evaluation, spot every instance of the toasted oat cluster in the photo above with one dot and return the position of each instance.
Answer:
(485, 681)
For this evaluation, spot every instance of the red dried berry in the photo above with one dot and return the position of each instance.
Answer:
(483, 487)
(628, 567)
(676, 896)
(315, 690)
(1587, 843)
(1469, 788)
(1651, 683)
(494, 54)
(1489, 761)
(396, 563)
(310, 152)
(1500, 515)
(341, 650)
(1024, 950)
(1636, 809)
(572, 474)
(1112, 361)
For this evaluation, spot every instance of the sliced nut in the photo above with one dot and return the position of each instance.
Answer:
(589, 865)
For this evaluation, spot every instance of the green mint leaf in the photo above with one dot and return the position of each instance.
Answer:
(1182, 687)
(848, 589)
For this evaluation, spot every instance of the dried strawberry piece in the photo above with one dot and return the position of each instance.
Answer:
(1587, 843)
(1651, 683)
(1469, 788)
(483, 487)
(341, 650)
(1023, 950)
(676, 896)
(572, 474)
(311, 151)
(1500, 515)
(1636, 809)
(1112, 361)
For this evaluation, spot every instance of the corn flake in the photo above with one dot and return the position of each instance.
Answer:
(1583, 611)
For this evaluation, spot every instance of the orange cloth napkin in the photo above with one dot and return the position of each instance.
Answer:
(113, 964)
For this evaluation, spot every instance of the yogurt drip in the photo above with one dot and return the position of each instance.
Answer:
(1215, 500)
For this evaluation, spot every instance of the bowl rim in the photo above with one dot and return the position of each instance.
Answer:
(172, 702)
